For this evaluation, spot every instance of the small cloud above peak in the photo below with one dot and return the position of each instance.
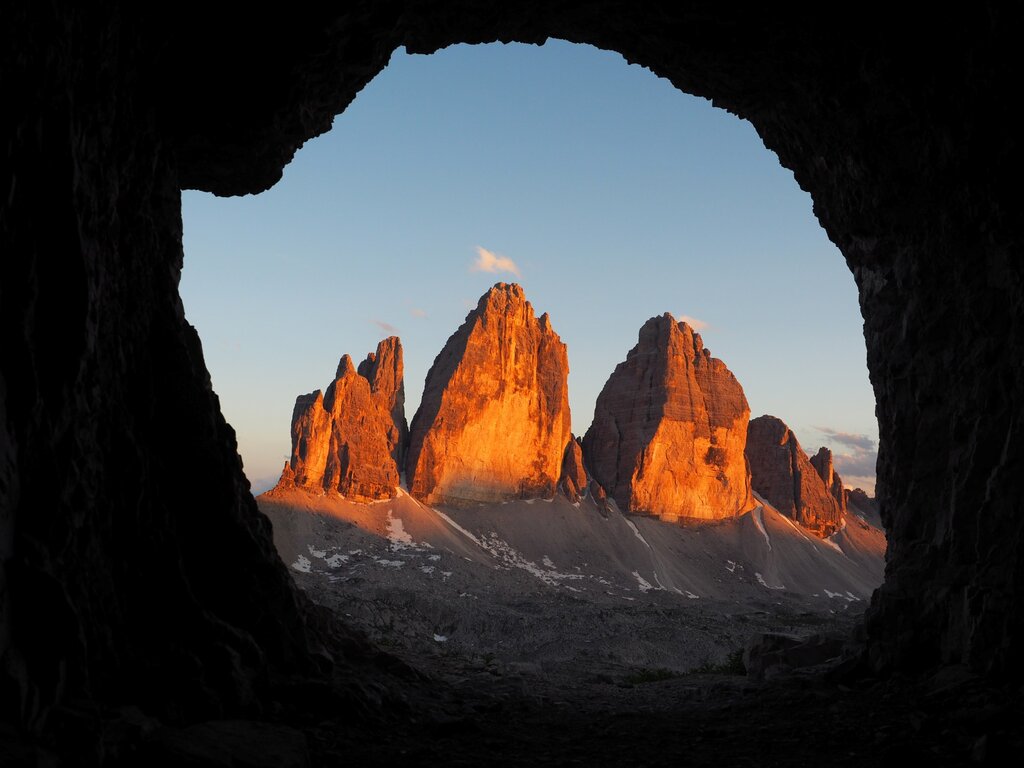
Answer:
(417, 312)
(388, 328)
(488, 261)
(694, 322)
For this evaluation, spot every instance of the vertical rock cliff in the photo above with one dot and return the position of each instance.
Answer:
(494, 420)
(783, 475)
(670, 428)
(385, 370)
(822, 463)
(574, 477)
(350, 438)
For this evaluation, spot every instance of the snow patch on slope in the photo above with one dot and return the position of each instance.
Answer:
(765, 584)
(758, 517)
(636, 531)
(645, 585)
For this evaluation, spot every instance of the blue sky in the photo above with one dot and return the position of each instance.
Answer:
(615, 197)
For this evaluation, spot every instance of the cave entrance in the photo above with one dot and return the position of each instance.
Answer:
(486, 163)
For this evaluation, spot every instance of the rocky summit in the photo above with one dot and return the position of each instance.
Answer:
(669, 430)
(384, 369)
(823, 465)
(494, 420)
(782, 474)
(574, 476)
(350, 438)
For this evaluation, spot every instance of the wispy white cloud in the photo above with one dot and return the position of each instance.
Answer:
(417, 312)
(386, 327)
(694, 322)
(854, 456)
(851, 439)
(488, 261)
(856, 464)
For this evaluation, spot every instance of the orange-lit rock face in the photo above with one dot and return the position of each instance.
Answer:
(348, 439)
(782, 474)
(670, 428)
(384, 369)
(494, 420)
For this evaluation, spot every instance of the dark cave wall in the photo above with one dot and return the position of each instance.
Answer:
(122, 501)
(135, 564)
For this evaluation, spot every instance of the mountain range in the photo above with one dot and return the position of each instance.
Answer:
(671, 435)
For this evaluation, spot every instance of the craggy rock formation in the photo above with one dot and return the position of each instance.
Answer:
(859, 502)
(669, 429)
(348, 439)
(783, 475)
(859, 498)
(385, 370)
(113, 584)
(573, 482)
(494, 420)
(822, 463)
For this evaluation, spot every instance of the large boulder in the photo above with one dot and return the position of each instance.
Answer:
(782, 475)
(494, 420)
(670, 428)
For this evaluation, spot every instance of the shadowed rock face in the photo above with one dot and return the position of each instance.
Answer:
(574, 477)
(783, 475)
(822, 463)
(494, 420)
(348, 439)
(113, 585)
(669, 429)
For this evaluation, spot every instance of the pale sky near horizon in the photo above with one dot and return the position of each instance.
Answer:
(607, 194)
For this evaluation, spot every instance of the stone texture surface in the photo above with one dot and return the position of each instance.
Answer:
(783, 475)
(822, 463)
(573, 481)
(669, 429)
(347, 439)
(385, 370)
(113, 585)
(494, 420)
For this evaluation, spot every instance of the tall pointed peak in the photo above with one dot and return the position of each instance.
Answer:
(345, 367)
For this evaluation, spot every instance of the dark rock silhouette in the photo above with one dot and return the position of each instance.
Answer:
(573, 481)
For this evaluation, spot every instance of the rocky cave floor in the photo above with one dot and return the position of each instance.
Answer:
(416, 705)
(470, 709)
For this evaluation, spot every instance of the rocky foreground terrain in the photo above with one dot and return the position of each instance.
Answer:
(567, 592)
(547, 632)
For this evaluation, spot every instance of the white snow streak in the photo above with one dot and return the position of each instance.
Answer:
(756, 516)
(645, 585)
(636, 532)
(765, 584)
(458, 528)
